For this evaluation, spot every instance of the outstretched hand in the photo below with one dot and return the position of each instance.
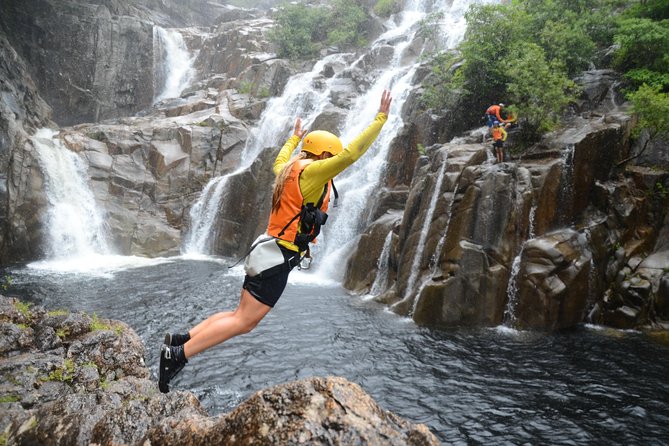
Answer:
(299, 131)
(386, 99)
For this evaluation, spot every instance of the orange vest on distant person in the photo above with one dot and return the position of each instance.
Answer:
(284, 222)
(497, 133)
(494, 110)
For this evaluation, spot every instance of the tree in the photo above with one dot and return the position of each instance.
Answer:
(539, 88)
(652, 108)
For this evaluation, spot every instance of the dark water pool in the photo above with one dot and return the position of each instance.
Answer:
(486, 386)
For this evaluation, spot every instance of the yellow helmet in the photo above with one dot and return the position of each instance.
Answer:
(320, 141)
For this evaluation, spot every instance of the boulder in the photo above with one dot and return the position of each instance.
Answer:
(553, 281)
(314, 411)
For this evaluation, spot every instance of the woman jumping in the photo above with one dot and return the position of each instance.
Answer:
(299, 205)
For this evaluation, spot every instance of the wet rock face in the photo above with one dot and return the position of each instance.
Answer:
(88, 64)
(529, 242)
(553, 281)
(69, 378)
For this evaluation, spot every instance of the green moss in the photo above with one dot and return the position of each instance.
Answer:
(11, 379)
(23, 308)
(7, 282)
(63, 332)
(9, 398)
(23, 326)
(97, 324)
(62, 374)
(58, 313)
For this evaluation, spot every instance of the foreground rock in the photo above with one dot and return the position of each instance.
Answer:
(315, 411)
(69, 378)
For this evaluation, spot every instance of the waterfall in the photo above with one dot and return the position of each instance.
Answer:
(173, 61)
(359, 182)
(74, 224)
(381, 280)
(424, 231)
(566, 193)
(509, 317)
(276, 120)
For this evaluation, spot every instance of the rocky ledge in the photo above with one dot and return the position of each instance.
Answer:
(75, 379)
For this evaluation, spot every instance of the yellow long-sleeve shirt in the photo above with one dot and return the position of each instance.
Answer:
(318, 173)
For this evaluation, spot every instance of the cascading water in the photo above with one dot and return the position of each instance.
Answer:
(381, 280)
(420, 247)
(361, 180)
(567, 182)
(276, 120)
(173, 61)
(509, 317)
(74, 223)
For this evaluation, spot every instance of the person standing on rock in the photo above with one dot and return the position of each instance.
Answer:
(299, 205)
(498, 137)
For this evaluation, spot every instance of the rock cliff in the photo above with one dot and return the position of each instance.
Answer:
(558, 235)
(72, 378)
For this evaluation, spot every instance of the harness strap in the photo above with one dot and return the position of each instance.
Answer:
(320, 203)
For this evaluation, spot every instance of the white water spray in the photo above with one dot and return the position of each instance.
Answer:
(425, 229)
(74, 223)
(381, 280)
(359, 182)
(509, 317)
(173, 61)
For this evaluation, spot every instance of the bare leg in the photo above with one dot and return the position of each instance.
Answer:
(244, 319)
(205, 323)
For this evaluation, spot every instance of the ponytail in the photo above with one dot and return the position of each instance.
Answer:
(280, 180)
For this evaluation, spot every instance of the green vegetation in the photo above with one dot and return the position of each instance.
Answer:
(58, 313)
(62, 374)
(10, 398)
(303, 30)
(63, 332)
(527, 52)
(97, 324)
(252, 89)
(386, 8)
(23, 308)
(7, 282)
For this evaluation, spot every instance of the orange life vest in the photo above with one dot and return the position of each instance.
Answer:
(284, 222)
(497, 133)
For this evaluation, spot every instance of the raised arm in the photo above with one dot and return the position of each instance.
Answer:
(319, 172)
(284, 155)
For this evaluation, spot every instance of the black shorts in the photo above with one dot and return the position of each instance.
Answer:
(498, 144)
(267, 288)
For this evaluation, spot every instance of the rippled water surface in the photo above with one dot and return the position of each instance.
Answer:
(486, 386)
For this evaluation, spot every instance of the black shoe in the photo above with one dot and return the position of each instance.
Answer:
(175, 339)
(172, 360)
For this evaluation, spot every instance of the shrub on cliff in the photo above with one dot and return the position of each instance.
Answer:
(302, 30)
(523, 53)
